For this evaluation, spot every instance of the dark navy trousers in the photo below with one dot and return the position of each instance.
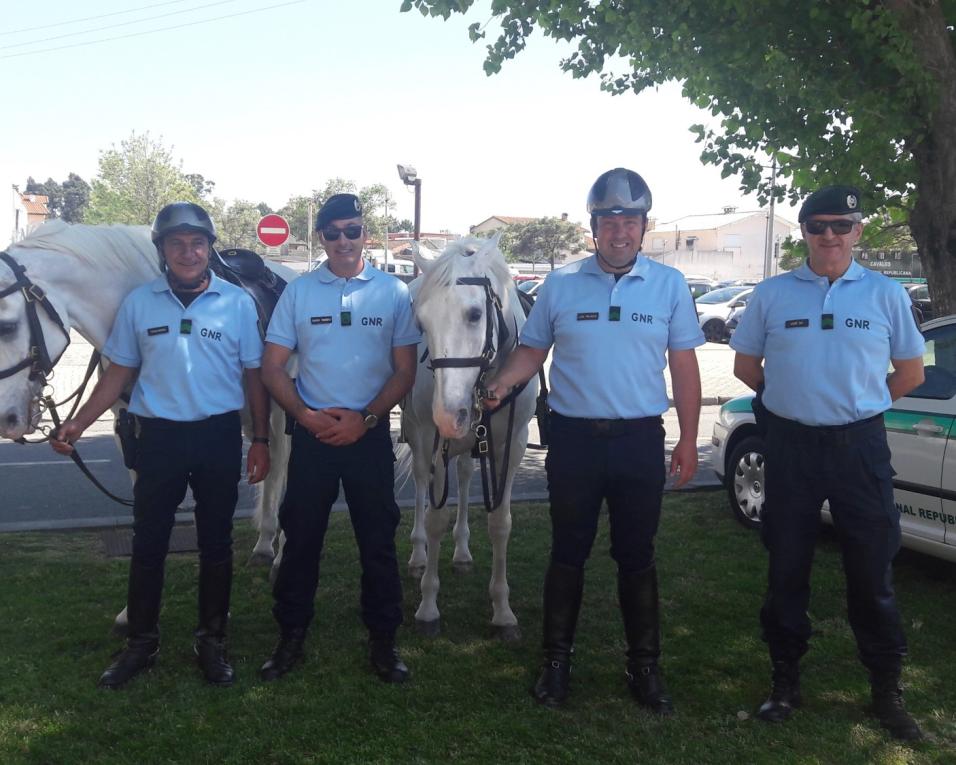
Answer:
(620, 461)
(206, 455)
(850, 467)
(366, 471)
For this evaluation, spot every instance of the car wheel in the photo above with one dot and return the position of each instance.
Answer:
(745, 481)
(715, 331)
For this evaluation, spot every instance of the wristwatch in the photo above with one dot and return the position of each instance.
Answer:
(371, 420)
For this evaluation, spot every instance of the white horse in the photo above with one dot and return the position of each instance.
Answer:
(85, 272)
(468, 308)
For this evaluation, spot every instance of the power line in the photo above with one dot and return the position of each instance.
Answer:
(90, 18)
(120, 24)
(151, 31)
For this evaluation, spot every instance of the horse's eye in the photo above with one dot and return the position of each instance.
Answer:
(474, 314)
(7, 328)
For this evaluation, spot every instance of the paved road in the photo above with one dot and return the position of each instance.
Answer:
(42, 490)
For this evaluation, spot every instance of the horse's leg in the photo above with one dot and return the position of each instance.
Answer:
(503, 619)
(272, 490)
(462, 560)
(416, 561)
(427, 616)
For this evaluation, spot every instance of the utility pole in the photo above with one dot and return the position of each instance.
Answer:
(768, 243)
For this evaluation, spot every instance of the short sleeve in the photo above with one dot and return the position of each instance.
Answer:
(122, 345)
(281, 330)
(538, 330)
(404, 330)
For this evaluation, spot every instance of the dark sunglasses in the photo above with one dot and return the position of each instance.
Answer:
(331, 234)
(840, 226)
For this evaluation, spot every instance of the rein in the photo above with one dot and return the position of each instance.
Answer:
(484, 448)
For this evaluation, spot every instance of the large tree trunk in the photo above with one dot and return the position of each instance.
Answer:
(933, 222)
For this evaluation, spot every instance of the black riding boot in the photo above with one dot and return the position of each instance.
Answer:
(637, 593)
(384, 658)
(287, 653)
(784, 693)
(563, 586)
(142, 643)
(215, 583)
(888, 706)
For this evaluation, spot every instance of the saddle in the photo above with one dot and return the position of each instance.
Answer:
(246, 269)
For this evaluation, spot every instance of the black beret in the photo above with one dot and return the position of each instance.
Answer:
(338, 207)
(831, 200)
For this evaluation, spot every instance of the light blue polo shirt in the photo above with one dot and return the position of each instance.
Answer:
(828, 376)
(606, 367)
(190, 359)
(344, 331)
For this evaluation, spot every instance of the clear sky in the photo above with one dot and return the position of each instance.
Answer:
(274, 102)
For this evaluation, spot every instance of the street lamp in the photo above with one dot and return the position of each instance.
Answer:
(409, 176)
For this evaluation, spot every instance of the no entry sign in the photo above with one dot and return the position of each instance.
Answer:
(273, 230)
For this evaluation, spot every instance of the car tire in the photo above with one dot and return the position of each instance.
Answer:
(715, 331)
(745, 481)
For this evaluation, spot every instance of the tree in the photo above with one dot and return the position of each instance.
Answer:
(236, 224)
(373, 197)
(135, 181)
(50, 189)
(541, 240)
(859, 92)
(202, 188)
(67, 200)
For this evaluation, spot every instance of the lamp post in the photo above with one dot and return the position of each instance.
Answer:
(409, 176)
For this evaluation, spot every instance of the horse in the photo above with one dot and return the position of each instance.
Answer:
(468, 308)
(83, 273)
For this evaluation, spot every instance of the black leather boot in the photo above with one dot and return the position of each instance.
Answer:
(383, 655)
(784, 693)
(637, 594)
(143, 598)
(888, 706)
(563, 586)
(215, 583)
(287, 653)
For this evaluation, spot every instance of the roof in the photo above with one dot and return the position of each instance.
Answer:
(714, 221)
(504, 220)
(35, 204)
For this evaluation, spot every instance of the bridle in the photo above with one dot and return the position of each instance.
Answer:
(480, 417)
(38, 357)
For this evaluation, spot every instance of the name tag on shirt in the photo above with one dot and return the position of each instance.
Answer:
(321, 319)
(157, 331)
(792, 323)
(588, 316)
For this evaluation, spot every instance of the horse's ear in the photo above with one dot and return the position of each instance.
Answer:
(489, 246)
(421, 261)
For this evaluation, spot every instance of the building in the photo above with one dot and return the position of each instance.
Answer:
(726, 245)
(29, 212)
(497, 222)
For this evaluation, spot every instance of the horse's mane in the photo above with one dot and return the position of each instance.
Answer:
(110, 246)
(451, 264)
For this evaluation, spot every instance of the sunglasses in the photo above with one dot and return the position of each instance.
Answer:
(840, 226)
(331, 234)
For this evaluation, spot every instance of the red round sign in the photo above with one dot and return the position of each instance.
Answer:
(273, 230)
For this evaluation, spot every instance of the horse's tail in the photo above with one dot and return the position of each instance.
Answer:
(404, 460)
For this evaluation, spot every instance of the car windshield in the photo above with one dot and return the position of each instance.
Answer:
(722, 295)
(527, 285)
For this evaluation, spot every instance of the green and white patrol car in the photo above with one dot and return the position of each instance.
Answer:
(921, 431)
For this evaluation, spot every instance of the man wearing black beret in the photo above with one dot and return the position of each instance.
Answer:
(816, 342)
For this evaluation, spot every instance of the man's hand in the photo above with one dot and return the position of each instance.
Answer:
(348, 427)
(318, 423)
(258, 462)
(683, 462)
(65, 436)
(491, 398)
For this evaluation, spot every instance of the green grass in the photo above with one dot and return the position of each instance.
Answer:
(468, 700)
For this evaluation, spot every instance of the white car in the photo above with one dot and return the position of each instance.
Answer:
(922, 438)
(714, 309)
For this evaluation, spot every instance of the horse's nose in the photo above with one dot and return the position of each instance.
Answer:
(11, 419)
(462, 418)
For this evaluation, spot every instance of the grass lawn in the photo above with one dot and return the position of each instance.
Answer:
(468, 699)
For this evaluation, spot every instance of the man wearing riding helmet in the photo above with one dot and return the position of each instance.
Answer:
(615, 320)
(188, 339)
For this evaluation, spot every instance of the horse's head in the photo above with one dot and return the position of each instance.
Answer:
(463, 293)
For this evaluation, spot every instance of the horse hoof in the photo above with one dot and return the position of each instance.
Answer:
(259, 560)
(429, 629)
(509, 633)
(416, 572)
(462, 566)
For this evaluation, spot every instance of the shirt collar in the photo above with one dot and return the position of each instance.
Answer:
(325, 273)
(640, 268)
(161, 284)
(854, 272)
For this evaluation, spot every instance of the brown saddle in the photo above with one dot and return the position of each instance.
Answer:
(246, 269)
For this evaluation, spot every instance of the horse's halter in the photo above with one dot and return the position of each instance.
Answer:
(38, 357)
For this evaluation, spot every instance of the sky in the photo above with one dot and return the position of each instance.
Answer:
(271, 98)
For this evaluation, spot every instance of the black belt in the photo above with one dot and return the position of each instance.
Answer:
(828, 434)
(605, 427)
(159, 422)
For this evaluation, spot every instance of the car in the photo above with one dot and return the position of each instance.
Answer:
(921, 432)
(530, 287)
(714, 309)
(919, 294)
(699, 287)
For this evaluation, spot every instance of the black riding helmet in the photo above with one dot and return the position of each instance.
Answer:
(618, 192)
(182, 216)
